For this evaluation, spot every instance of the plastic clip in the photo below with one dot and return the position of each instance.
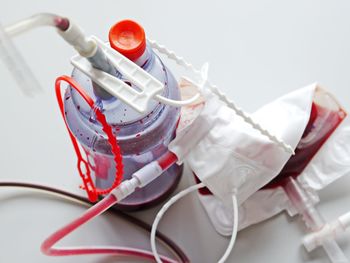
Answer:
(139, 100)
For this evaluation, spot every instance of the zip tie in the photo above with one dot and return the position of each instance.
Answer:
(247, 118)
(222, 96)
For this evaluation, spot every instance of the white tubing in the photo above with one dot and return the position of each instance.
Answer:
(234, 230)
(174, 199)
(177, 103)
(161, 213)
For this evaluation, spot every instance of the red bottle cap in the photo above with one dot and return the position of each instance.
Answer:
(128, 38)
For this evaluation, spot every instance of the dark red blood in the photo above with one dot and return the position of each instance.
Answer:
(297, 163)
(167, 160)
(203, 190)
(313, 116)
(62, 23)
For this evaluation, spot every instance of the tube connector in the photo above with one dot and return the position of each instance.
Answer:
(126, 188)
(314, 221)
(75, 36)
(140, 178)
(148, 173)
(329, 231)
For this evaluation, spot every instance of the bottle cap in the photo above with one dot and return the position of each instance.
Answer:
(128, 38)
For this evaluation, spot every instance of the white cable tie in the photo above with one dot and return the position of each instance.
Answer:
(246, 117)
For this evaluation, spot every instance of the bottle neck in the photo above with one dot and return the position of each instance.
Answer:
(143, 60)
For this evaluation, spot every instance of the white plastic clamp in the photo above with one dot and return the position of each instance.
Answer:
(139, 100)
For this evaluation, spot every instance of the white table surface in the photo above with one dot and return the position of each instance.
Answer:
(258, 50)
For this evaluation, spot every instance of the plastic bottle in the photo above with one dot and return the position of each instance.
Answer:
(142, 138)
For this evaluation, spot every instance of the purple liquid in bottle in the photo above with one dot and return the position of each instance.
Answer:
(142, 138)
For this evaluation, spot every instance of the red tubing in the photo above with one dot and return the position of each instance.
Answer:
(82, 164)
(92, 212)
(167, 160)
(47, 246)
(136, 222)
(48, 249)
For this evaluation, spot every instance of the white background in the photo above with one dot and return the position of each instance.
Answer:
(258, 50)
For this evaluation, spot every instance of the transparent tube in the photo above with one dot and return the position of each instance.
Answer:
(48, 245)
(330, 230)
(38, 20)
(312, 218)
(344, 220)
(17, 66)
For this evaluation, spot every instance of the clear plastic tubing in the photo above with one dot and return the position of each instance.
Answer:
(16, 65)
(13, 58)
(312, 218)
(142, 138)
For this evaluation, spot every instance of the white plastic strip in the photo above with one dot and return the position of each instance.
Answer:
(114, 86)
(141, 78)
(222, 96)
(131, 71)
(148, 84)
(151, 88)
